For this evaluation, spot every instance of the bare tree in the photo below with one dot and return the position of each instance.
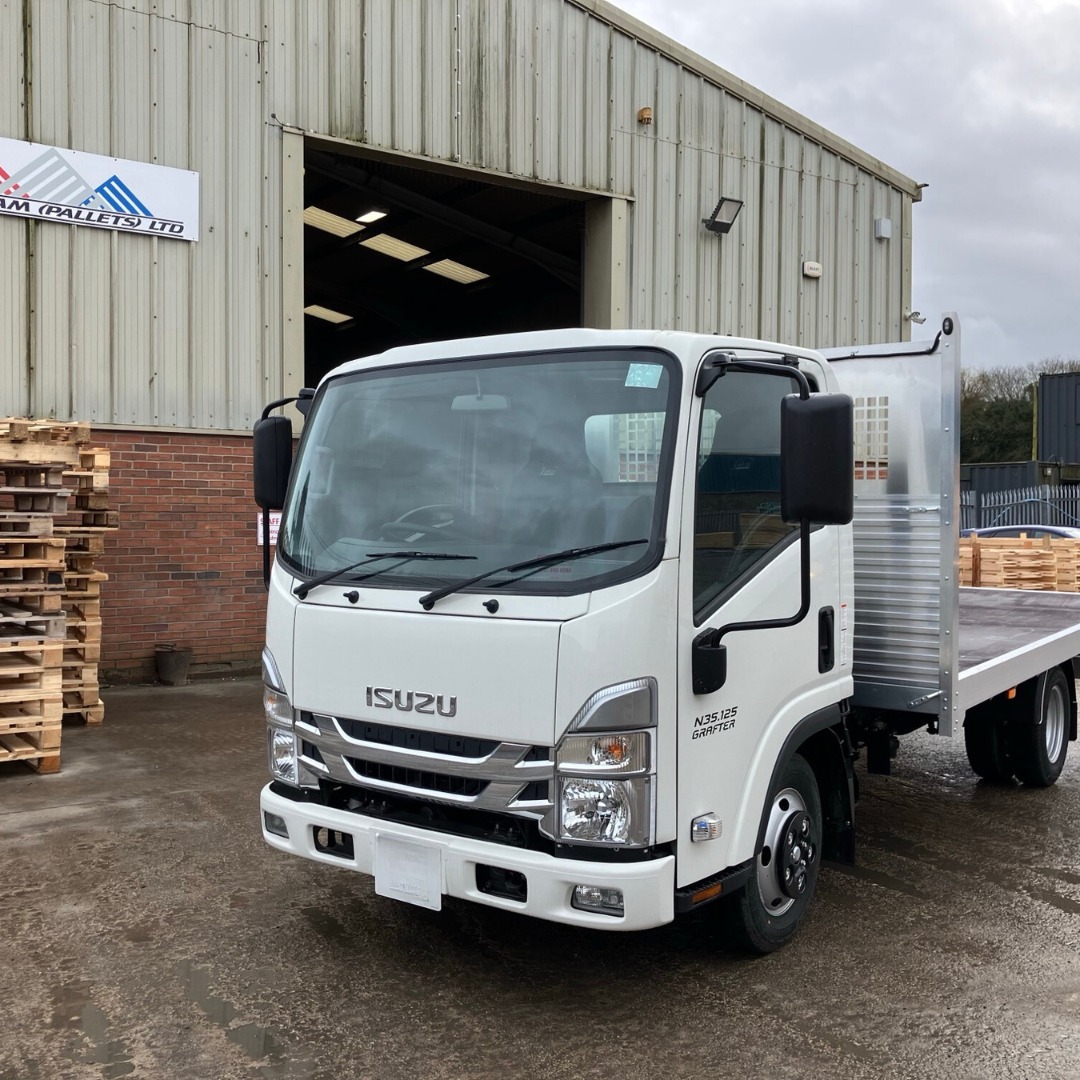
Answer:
(997, 409)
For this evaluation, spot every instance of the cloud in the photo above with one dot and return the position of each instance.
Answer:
(980, 100)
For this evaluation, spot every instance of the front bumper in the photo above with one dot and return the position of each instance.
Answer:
(648, 887)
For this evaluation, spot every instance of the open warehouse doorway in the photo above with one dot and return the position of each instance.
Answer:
(396, 255)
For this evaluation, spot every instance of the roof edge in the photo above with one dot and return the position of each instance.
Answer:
(695, 62)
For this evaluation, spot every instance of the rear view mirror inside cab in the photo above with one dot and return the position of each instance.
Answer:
(479, 403)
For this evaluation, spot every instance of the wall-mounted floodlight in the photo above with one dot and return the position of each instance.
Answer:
(723, 217)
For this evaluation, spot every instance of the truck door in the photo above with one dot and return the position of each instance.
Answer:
(740, 561)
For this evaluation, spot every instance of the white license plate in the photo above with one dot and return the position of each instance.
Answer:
(409, 872)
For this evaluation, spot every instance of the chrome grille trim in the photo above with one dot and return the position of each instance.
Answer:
(504, 771)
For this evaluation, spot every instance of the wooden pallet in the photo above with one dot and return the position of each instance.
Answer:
(83, 584)
(36, 442)
(84, 532)
(82, 652)
(88, 518)
(20, 687)
(14, 642)
(22, 654)
(18, 619)
(46, 602)
(18, 429)
(49, 475)
(95, 459)
(81, 697)
(87, 481)
(30, 732)
(83, 631)
(45, 551)
(1020, 563)
(28, 500)
(32, 583)
(90, 715)
(82, 611)
(81, 561)
(14, 525)
(83, 542)
(32, 714)
(33, 749)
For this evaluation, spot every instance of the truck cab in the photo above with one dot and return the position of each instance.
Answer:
(557, 624)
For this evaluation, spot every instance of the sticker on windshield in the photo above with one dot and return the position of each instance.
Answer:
(647, 375)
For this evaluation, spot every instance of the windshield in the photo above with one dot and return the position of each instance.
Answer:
(501, 459)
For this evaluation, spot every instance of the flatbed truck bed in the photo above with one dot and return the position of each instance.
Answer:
(1007, 636)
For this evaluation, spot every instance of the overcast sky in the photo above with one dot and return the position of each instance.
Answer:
(979, 99)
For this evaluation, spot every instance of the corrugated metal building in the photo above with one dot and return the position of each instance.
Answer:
(560, 149)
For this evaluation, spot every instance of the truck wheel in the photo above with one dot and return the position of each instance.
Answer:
(765, 914)
(1039, 741)
(984, 740)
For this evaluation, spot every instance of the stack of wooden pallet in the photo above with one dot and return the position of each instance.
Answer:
(84, 527)
(1020, 563)
(1067, 564)
(50, 621)
(31, 614)
(968, 573)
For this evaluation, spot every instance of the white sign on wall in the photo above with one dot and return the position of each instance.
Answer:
(48, 183)
(275, 524)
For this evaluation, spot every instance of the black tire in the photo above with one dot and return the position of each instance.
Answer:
(1039, 741)
(986, 743)
(762, 917)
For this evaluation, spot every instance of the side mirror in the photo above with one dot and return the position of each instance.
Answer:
(272, 452)
(817, 466)
(708, 663)
(304, 400)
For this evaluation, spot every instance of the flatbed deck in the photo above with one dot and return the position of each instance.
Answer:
(1009, 635)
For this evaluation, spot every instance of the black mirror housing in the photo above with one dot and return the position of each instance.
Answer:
(708, 663)
(817, 466)
(272, 453)
(304, 400)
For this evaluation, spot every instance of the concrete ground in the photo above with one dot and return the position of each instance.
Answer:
(147, 931)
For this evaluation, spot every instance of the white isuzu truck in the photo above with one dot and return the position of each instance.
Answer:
(591, 625)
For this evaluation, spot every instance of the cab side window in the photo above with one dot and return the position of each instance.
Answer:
(737, 507)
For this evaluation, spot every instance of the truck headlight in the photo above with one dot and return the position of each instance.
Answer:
(605, 772)
(277, 707)
(605, 811)
(618, 752)
(281, 745)
(280, 738)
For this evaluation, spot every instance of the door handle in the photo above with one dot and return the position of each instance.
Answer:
(826, 639)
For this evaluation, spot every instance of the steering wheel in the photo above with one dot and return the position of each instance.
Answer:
(438, 519)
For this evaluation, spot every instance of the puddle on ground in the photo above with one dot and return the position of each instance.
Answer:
(255, 1041)
(324, 923)
(74, 1011)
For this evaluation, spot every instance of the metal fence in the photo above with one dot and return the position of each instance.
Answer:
(1044, 505)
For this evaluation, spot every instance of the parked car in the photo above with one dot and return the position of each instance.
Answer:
(1034, 532)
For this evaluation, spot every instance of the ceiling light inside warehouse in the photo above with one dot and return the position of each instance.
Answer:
(331, 223)
(398, 249)
(329, 314)
(370, 216)
(455, 271)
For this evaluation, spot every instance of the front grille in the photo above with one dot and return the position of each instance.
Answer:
(432, 742)
(417, 779)
(441, 767)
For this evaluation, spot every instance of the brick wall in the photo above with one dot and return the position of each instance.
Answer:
(184, 567)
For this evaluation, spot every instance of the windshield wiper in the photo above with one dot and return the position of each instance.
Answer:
(427, 602)
(305, 587)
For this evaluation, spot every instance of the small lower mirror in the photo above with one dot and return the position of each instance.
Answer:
(709, 664)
